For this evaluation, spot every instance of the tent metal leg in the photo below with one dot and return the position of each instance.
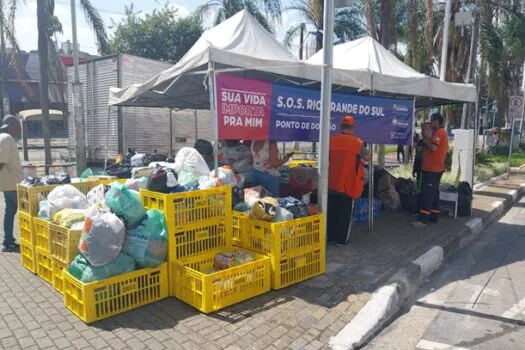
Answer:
(211, 87)
(371, 190)
(171, 132)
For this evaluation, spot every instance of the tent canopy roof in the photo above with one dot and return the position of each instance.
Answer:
(241, 46)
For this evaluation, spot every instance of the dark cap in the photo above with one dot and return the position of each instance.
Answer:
(9, 120)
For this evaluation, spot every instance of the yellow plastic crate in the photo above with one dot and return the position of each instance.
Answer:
(25, 226)
(294, 268)
(58, 279)
(199, 238)
(296, 163)
(290, 245)
(102, 299)
(27, 255)
(41, 229)
(281, 238)
(239, 225)
(29, 197)
(63, 243)
(44, 265)
(214, 291)
(187, 208)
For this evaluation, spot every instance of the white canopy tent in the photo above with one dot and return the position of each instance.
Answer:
(388, 74)
(241, 46)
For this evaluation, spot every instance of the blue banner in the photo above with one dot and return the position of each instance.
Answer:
(295, 112)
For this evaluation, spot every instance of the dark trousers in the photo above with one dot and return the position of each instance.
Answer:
(401, 155)
(339, 217)
(429, 197)
(11, 207)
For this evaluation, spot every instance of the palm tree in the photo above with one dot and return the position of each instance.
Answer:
(347, 22)
(224, 9)
(47, 26)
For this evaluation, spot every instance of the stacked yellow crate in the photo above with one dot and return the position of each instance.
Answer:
(34, 249)
(199, 227)
(297, 248)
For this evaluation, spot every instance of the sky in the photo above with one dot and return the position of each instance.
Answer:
(26, 20)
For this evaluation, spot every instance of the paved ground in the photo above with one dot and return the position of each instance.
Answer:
(304, 316)
(477, 301)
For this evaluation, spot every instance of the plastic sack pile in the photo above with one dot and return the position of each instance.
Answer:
(261, 206)
(118, 234)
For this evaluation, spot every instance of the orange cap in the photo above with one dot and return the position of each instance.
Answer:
(348, 120)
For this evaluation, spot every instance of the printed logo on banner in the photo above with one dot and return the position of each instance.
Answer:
(243, 108)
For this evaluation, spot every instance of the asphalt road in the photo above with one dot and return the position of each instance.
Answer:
(476, 301)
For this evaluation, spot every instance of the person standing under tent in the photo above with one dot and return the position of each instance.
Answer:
(266, 164)
(420, 147)
(345, 182)
(401, 153)
(433, 167)
(10, 176)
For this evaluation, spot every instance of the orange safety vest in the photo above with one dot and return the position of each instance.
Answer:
(346, 169)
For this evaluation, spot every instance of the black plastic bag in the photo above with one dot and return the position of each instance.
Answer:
(158, 180)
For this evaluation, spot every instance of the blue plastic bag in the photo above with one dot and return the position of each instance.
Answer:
(126, 204)
(148, 242)
(361, 210)
(83, 271)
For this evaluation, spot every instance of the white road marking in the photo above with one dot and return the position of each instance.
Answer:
(432, 345)
(515, 310)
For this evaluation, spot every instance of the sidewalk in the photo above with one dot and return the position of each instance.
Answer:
(304, 316)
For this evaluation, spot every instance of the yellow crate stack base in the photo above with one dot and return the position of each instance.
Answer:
(214, 291)
(44, 265)
(58, 278)
(27, 256)
(102, 299)
(297, 248)
(25, 225)
(63, 243)
(41, 230)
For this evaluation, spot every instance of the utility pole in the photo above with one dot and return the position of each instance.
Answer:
(472, 56)
(444, 47)
(78, 101)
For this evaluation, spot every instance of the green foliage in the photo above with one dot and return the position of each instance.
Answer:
(264, 11)
(161, 35)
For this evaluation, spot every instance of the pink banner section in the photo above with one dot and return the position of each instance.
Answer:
(243, 108)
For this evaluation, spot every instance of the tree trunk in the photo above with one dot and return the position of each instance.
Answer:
(429, 29)
(43, 20)
(412, 32)
(3, 68)
(370, 19)
(387, 27)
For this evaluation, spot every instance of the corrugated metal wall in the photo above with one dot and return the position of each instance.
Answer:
(96, 76)
(144, 129)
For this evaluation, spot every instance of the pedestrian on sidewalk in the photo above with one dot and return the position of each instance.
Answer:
(401, 153)
(346, 180)
(420, 147)
(10, 176)
(433, 167)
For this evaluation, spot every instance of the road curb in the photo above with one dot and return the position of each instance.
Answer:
(386, 301)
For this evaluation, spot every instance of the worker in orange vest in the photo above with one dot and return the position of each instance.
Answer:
(433, 167)
(346, 180)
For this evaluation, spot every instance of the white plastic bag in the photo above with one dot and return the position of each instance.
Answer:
(206, 182)
(102, 236)
(191, 159)
(138, 160)
(137, 173)
(137, 184)
(226, 176)
(96, 195)
(64, 197)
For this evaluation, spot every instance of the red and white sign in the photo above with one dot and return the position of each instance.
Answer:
(515, 106)
(243, 108)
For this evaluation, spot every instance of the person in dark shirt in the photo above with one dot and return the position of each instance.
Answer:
(418, 159)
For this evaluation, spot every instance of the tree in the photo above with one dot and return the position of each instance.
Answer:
(224, 9)
(161, 35)
(348, 24)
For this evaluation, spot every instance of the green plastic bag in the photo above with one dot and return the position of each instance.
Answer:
(92, 172)
(186, 178)
(148, 243)
(126, 204)
(86, 273)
